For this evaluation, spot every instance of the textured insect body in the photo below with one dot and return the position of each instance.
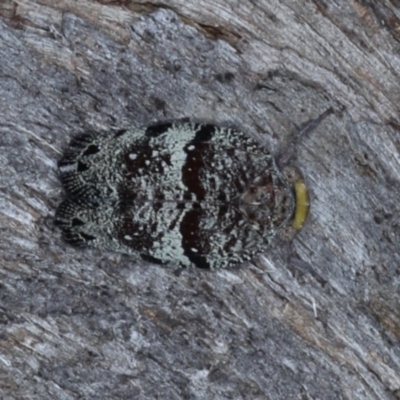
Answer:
(176, 194)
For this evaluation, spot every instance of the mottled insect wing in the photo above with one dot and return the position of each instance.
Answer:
(74, 217)
(177, 194)
(207, 237)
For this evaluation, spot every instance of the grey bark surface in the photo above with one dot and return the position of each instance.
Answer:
(315, 318)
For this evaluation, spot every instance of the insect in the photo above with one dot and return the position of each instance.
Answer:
(179, 194)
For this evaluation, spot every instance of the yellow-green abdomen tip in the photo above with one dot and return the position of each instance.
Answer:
(302, 204)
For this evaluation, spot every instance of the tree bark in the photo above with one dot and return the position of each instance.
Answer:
(315, 318)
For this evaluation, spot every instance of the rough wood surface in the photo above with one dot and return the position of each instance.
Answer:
(316, 318)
